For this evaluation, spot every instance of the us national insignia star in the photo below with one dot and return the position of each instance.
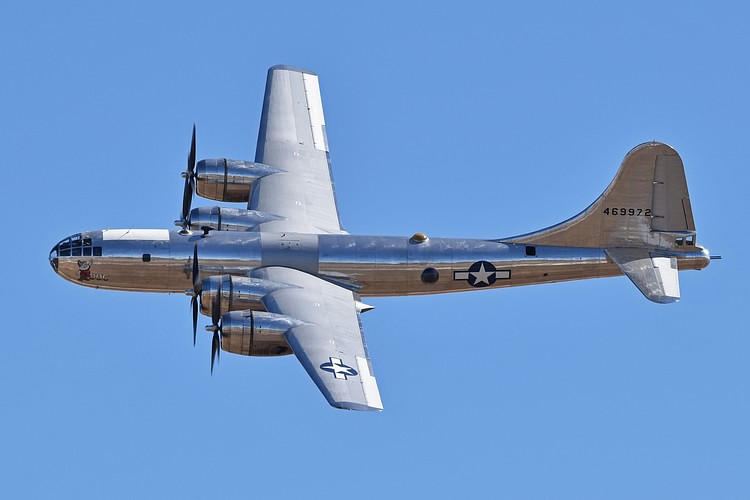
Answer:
(481, 274)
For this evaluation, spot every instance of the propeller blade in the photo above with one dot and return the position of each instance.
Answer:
(187, 199)
(215, 349)
(215, 313)
(196, 290)
(216, 340)
(196, 270)
(194, 304)
(187, 194)
(191, 156)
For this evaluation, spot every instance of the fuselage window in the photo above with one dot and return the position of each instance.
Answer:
(690, 240)
(530, 251)
(97, 251)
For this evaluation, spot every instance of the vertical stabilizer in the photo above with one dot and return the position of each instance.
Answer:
(646, 205)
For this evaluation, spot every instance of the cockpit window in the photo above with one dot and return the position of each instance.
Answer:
(76, 246)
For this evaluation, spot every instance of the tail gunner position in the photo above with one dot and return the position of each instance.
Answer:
(281, 276)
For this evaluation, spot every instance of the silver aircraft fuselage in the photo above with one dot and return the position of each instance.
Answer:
(281, 276)
(159, 260)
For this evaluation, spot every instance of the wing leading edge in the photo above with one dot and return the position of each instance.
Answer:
(330, 344)
(292, 137)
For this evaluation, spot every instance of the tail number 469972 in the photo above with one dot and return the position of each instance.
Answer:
(628, 211)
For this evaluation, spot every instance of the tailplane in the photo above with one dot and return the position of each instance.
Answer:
(656, 276)
(643, 221)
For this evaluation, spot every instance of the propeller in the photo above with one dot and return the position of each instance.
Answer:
(187, 194)
(215, 326)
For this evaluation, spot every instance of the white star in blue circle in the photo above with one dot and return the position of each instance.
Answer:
(482, 273)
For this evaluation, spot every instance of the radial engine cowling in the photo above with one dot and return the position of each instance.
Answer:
(253, 333)
(234, 293)
(222, 179)
(227, 219)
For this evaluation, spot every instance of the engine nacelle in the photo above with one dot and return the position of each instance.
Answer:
(221, 179)
(253, 333)
(227, 219)
(234, 293)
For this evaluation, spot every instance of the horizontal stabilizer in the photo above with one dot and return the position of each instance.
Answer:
(655, 276)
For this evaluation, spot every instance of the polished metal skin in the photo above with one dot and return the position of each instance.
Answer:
(282, 276)
(222, 179)
(374, 266)
(227, 219)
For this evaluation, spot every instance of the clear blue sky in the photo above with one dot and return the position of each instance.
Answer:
(455, 119)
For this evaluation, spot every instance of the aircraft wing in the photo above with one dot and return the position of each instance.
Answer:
(330, 344)
(292, 137)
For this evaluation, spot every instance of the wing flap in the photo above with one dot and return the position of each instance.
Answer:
(330, 345)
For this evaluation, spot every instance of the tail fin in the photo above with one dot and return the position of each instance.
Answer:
(646, 206)
(643, 221)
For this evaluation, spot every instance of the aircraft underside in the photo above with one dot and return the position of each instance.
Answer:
(281, 276)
